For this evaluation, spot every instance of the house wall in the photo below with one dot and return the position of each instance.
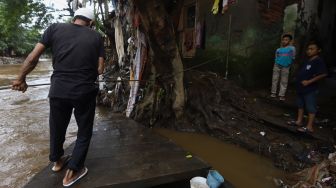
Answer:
(317, 21)
(255, 34)
(257, 26)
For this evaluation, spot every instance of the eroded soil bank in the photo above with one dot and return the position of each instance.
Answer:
(220, 108)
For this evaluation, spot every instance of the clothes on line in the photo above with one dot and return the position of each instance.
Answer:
(136, 71)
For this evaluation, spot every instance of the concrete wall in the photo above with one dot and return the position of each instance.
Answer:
(256, 31)
(327, 30)
(317, 21)
(257, 26)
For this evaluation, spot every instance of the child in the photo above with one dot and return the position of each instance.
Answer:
(309, 74)
(284, 57)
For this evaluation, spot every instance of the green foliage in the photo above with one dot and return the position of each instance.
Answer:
(21, 22)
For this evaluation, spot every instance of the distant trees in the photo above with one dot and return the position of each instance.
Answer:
(21, 22)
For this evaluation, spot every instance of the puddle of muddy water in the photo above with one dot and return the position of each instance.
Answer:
(240, 167)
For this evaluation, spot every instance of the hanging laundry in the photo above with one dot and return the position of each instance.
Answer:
(134, 84)
(225, 6)
(200, 35)
(119, 40)
(215, 7)
(136, 71)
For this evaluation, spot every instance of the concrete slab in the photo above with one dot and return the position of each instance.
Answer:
(123, 153)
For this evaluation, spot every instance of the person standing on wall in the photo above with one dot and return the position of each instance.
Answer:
(78, 59)
(284, 57)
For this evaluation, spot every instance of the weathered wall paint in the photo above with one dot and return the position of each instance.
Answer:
(255, 36)
(257, 26)
(317, 21)
(290, 18)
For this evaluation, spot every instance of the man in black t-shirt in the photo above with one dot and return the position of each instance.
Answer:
(77, 59)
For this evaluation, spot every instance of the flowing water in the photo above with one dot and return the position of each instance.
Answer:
(24, 137)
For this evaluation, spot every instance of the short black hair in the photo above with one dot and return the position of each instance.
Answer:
(288, 36)
(316, 43)
(82, 18)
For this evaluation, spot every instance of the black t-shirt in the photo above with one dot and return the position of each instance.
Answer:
(75, 53)
(309, 70)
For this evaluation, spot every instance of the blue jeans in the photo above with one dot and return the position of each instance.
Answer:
(308, 101)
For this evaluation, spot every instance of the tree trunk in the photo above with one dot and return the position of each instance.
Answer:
(166, 98)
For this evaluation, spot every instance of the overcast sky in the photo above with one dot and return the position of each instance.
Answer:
(59, 5)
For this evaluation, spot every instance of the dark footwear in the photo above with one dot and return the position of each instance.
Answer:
(293, 123)
(77, 177)
(305, 130)
(64, 161)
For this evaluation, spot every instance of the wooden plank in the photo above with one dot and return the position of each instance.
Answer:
(126, 154)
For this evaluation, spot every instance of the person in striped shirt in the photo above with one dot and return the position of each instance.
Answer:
(284, 57)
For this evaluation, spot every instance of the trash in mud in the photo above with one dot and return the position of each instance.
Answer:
(198, 182)
(214, 179)
(286, 115)
(188, 156)
(319, 175)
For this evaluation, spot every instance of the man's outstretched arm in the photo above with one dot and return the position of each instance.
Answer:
(28, 65)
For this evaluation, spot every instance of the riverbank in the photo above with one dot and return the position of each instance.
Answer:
(11, 60)
(250, 119)
(17, 60)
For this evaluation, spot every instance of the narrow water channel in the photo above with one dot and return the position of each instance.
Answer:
(24, 138)
(242, 168)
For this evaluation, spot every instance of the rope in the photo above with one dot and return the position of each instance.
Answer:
(109, 81)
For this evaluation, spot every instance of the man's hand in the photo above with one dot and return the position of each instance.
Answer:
(305, 82)
(28, 65)
(19, 85)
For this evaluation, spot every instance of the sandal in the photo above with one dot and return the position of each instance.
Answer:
(82, 174)
(64, 161)
(293, 123)
(282, 98)
(305, 130)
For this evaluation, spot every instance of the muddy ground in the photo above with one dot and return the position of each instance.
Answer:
(220, 108)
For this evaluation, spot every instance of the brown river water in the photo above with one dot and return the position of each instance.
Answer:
(24, 138)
